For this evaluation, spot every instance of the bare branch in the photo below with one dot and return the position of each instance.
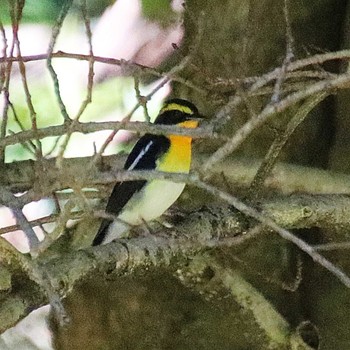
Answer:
(275, 327)
(288, 58)
(275, 149)
(284, 178)
(9, 200)
(140, 127)
(5, 89)
(33, 116)
(55, 33)
(302, 245)
(341, 81)
(90, 82)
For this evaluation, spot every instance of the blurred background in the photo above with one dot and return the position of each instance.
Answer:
(121, 30)
(145, 33)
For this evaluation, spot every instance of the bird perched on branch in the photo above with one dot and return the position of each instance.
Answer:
(135, 202)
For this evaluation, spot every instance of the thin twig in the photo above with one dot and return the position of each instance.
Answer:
(61, 223)
(302, 245)
(263, 80)
(30, 146)
(341, 81)
(55, 32)
(32, 112)
(204, 131)
(142, 100)
(288, 57)
(5, 89)
(133, 67)
(9, 200)
(332, 246)
(275, 149)
(33, 223)
(90, 82)
(4, 54)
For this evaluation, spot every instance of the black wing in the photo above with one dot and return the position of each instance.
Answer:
(142, 157)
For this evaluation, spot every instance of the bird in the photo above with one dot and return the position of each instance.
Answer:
(135, 202)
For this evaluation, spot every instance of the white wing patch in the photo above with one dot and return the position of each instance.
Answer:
(140, 156)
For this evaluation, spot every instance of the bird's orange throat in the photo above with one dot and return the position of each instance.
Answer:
(178, 158)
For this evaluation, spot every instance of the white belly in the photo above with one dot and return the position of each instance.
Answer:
(146, 205)
(151, 202)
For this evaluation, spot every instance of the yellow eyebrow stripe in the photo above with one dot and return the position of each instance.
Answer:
(191, 124)
(176, 107)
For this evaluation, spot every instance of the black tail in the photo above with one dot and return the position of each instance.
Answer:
(102, 232)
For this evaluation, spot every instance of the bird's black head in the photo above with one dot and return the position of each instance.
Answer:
(177, 111)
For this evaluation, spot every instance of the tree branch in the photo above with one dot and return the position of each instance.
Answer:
(284, 178)
(140, 127)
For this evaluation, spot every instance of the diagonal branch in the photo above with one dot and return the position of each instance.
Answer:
(252, 212)
(9, 200)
